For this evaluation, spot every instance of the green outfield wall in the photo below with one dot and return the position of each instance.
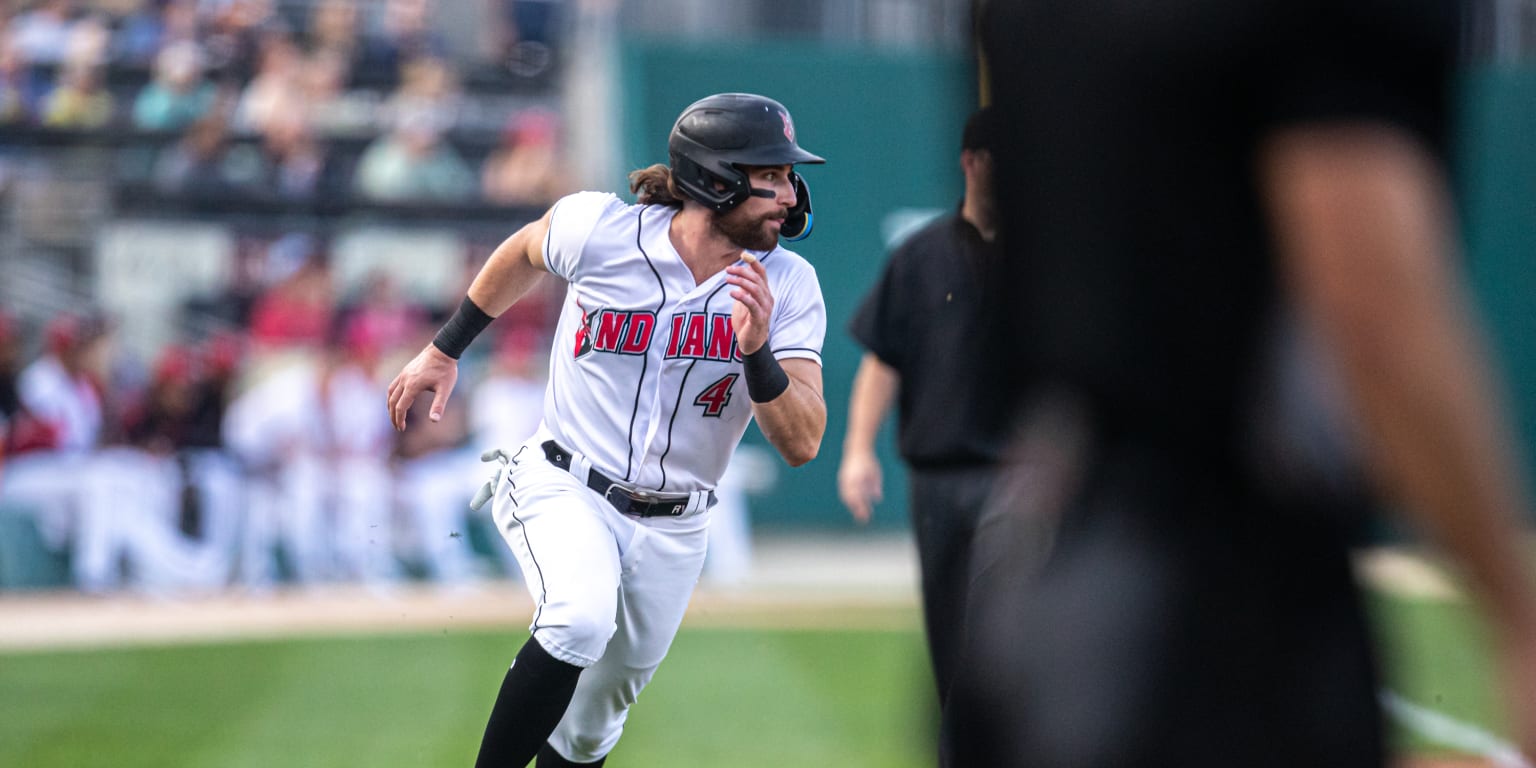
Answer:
(889, 125)
(1496, 166)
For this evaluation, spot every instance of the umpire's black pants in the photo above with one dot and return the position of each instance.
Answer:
(946, 506)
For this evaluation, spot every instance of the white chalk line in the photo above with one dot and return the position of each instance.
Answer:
(1446, 731)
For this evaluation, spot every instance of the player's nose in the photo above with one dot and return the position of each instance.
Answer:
(786, 192)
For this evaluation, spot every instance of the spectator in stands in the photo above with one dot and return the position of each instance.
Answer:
(527, 167)
(179, 94)
(20, 88)
(89, 41)
(196, 165)
(274, 87)
(297, 308)
(142, 29)
(330, 109)
(413, 163)
(234, 34)
(383, 313)
(406, 34)
(287, 163)
(429, 85)
(334, 31)
(81, 99)
(41, 34)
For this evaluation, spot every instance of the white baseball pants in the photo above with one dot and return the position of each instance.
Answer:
(609, 590)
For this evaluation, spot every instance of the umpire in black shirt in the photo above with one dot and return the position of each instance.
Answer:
(922, 327)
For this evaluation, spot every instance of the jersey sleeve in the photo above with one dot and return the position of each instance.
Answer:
(877, 325)
(571, 222)
(1361, 61)
(800, 316)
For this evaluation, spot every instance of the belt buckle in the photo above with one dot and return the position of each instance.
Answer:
(638, 501)
(620, 498)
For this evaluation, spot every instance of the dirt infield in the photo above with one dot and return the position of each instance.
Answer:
(863, 582)
(855, 581)
(58, 620)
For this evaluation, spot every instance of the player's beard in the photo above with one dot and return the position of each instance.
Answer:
(751, 233)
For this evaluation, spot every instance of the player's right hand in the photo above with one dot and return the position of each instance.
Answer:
(859, 484)
(430, 371)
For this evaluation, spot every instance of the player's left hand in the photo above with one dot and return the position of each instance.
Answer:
(430, 371)
(754, 303)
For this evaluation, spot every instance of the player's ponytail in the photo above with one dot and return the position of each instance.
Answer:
(655, 186)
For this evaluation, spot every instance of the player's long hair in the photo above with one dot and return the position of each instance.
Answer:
(655, 186)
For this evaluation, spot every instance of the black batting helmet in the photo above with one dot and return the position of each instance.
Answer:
(718, 134)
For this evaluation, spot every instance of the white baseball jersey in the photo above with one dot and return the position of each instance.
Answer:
(646, 379)
(70, 403)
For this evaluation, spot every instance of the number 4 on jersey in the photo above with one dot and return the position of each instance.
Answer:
(717, 396)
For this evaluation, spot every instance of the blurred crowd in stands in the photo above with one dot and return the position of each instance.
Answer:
(260, 452)
(297, 100)
(253, 448)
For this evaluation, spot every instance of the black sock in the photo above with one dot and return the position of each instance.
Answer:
(549, 758)
(533, 698)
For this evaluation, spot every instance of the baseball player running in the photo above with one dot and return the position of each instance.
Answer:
(683, 321)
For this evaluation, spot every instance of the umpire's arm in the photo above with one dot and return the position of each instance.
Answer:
(1365, 231)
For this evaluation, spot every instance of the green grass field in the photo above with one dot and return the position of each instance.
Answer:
(725, 697)
(735, 697)
(1434, 654)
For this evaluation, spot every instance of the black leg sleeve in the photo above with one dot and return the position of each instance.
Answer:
(533, 698)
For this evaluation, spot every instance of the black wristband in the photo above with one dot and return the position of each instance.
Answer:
(456, 334)
(766, 379)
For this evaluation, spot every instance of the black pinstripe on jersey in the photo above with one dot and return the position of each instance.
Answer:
(634, 413)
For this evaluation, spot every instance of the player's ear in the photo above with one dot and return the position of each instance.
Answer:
(797, 224)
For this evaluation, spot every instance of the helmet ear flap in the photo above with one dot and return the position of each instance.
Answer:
(797, 224)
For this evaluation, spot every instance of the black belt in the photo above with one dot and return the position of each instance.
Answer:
(636, 503)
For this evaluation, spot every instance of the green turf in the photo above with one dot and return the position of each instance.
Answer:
(1434, 654)
(725, 697)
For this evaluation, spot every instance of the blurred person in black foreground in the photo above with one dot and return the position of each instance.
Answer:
(1171, 177)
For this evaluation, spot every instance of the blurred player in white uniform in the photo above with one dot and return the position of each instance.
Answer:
(507, 403)
(63, 405)
(276, 426)
(683, 321)
(358, 442)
